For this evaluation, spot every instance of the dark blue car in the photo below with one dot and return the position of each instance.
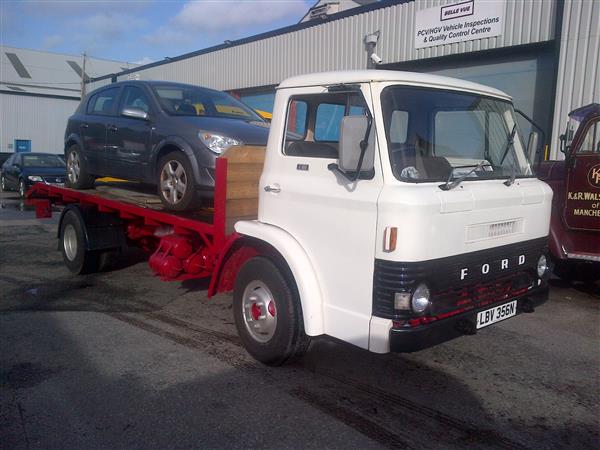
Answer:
(22, 170)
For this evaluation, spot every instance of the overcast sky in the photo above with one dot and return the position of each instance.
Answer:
(139, 31)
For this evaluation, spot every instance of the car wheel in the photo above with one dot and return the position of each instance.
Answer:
(22, 188)
(176, 187)
(3, 184)
(72, 245)
(267, 313)
(78, 176)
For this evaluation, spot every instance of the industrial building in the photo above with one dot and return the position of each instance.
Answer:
(545, 53)
(38, 92)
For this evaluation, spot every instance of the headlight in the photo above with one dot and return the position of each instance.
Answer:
(542, 266)
(420, 298)
(34, 178)
(217, 143)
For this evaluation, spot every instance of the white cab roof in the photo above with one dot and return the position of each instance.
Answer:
(411, 78)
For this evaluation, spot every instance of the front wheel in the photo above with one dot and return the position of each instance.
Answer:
(176, 187)
(268, 314)
(3, 184)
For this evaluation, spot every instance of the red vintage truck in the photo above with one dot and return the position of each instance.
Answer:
(574, 241)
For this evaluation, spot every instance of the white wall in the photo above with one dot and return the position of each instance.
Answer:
(40, 119)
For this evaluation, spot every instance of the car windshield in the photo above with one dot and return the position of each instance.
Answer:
(49, 161)
(196, 101)
(436, 135)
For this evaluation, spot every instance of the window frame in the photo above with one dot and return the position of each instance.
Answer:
(122, 97)
(95, 97)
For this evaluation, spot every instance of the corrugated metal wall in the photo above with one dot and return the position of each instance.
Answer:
(579, 66)
(39, 119)
(338, 45)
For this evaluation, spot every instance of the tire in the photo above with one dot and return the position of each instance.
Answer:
(78, 176)
(273, 335)
(176, 186)
(72, 245)
(3, 184)
(22, 188)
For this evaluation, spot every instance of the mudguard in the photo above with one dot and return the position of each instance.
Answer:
(311, 297)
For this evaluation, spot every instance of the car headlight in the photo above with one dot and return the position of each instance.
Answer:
(542, 266)
(420, 298)
(217, 143)
(34, 178)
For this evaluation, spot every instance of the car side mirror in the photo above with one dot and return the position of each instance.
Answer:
(532, 145)
(135, 113)
(355, 155)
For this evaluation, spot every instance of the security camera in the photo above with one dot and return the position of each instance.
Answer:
(376, 58)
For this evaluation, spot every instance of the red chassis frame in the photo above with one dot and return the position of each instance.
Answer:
(209, 240)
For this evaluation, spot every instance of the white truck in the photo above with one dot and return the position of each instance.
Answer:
(393, 211)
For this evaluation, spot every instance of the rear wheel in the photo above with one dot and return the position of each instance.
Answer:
(3, 183)
(73, 246)
(78, 176)
(176, 187)
(267, 313)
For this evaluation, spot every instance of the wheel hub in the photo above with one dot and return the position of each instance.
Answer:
(173, 181)
(258, 306)
(70, 242)
(73, 167)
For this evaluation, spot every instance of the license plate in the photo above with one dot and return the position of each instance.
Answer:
(496, 314)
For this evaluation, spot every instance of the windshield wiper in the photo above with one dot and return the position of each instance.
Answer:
(452, 184)
(510, 140)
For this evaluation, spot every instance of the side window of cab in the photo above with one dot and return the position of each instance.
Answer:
(313, 123)
(591, 140)
(103, 103)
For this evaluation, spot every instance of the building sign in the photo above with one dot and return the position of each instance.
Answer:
(458, 22)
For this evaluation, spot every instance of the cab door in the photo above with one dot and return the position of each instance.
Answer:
(334, 220)
(582, 204)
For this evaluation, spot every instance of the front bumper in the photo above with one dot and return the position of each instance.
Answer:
(406, 340)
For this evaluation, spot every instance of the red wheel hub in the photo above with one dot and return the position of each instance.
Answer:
(271, 308)
(255, 311)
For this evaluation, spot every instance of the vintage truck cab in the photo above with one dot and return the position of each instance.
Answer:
(403, 209)
(574, 241)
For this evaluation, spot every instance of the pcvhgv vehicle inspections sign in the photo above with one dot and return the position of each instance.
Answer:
(458, 22)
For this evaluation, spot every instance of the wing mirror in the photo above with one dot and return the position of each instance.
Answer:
(356, 156)
(135, 113)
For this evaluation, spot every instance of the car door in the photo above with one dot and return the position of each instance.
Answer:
(316, 206)
(582, 205)
(100, 112)
(129, 139)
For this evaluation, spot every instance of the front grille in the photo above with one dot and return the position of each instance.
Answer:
(443, 277)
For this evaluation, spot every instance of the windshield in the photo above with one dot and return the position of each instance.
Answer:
(49, 161)
(434, 135)
(196, 101)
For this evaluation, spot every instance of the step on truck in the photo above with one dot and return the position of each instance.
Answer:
(390, 210)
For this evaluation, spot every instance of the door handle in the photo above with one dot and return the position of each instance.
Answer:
(112, 128)
(275, 188)
(84, 125)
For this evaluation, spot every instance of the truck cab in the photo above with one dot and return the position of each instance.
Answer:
(403, 207)
(575, 224)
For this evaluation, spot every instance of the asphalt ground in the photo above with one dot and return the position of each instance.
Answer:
(120, 359)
